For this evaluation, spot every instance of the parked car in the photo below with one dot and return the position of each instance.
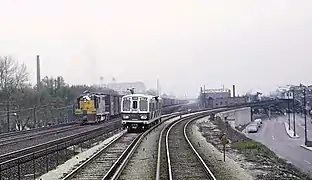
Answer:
(252, 128)
(259, 122)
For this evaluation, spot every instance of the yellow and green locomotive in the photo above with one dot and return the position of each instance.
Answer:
(96, 107)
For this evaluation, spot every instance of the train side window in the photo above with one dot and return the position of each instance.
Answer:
(152, 109)
(143, 105)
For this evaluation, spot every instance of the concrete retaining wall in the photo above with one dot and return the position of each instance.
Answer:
(237, 117)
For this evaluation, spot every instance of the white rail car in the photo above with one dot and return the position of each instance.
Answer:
(139, 112)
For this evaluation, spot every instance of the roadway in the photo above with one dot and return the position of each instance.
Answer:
(274, 136)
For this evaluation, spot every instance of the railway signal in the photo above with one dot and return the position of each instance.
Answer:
(224, 141)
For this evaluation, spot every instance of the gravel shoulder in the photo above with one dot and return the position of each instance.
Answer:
(251, 159)
(228, 170)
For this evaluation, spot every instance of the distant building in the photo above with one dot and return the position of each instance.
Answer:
(217, 93)
(220, 102)
(122, 87)
(214, 98)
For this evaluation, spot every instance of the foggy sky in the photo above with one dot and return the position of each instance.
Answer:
(256, 45)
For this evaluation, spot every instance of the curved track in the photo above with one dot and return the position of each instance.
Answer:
(182, 159)
(110, 161)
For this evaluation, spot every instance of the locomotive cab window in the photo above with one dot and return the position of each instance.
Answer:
(78, 102)
(96, 102)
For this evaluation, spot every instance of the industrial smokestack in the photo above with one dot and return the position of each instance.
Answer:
(158, 88)
(38, 73)
(233, 90)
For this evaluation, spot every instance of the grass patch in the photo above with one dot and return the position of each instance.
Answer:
(246, 144)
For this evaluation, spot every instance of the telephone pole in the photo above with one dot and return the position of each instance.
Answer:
(305, 117)
(38, 89)
(288, 110)
(294, 111)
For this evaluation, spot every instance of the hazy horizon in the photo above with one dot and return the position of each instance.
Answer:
(256, 45)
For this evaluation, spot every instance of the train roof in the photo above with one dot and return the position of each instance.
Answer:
(141, 95)
(97, 93)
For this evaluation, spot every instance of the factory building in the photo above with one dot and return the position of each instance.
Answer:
(214, 98)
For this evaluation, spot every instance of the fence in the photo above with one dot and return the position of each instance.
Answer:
(20, 119)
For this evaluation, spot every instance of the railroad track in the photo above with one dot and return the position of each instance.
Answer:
(101, 163)
(177, 157)
(15, 145)
(80, 136)
(23, 132)
(29, 136)
(109, 162)
(48, 147)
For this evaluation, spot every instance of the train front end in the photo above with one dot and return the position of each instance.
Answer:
(139, 112)
(85, 111)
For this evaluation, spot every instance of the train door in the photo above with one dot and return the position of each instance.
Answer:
(101, 108)
(112, 106)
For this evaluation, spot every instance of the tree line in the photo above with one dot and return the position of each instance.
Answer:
(19, 98)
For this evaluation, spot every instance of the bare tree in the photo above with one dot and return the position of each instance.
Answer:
(13, 75)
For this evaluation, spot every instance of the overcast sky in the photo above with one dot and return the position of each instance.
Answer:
(256, 45)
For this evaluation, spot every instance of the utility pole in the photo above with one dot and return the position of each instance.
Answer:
(294, 111)
(8, 114)
(288, 110)
(305, 117)
(38, 89)
(204, 98)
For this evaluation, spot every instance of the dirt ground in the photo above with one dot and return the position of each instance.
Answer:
(260, 162)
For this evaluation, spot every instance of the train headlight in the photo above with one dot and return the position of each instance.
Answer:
(125, 117)
(143, 117)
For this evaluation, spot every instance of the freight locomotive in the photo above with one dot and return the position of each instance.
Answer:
(140, 112)
(94, 107)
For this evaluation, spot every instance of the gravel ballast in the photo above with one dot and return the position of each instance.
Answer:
(142, 165)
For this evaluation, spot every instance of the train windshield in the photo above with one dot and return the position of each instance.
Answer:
(143, 105)
(126, 105)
